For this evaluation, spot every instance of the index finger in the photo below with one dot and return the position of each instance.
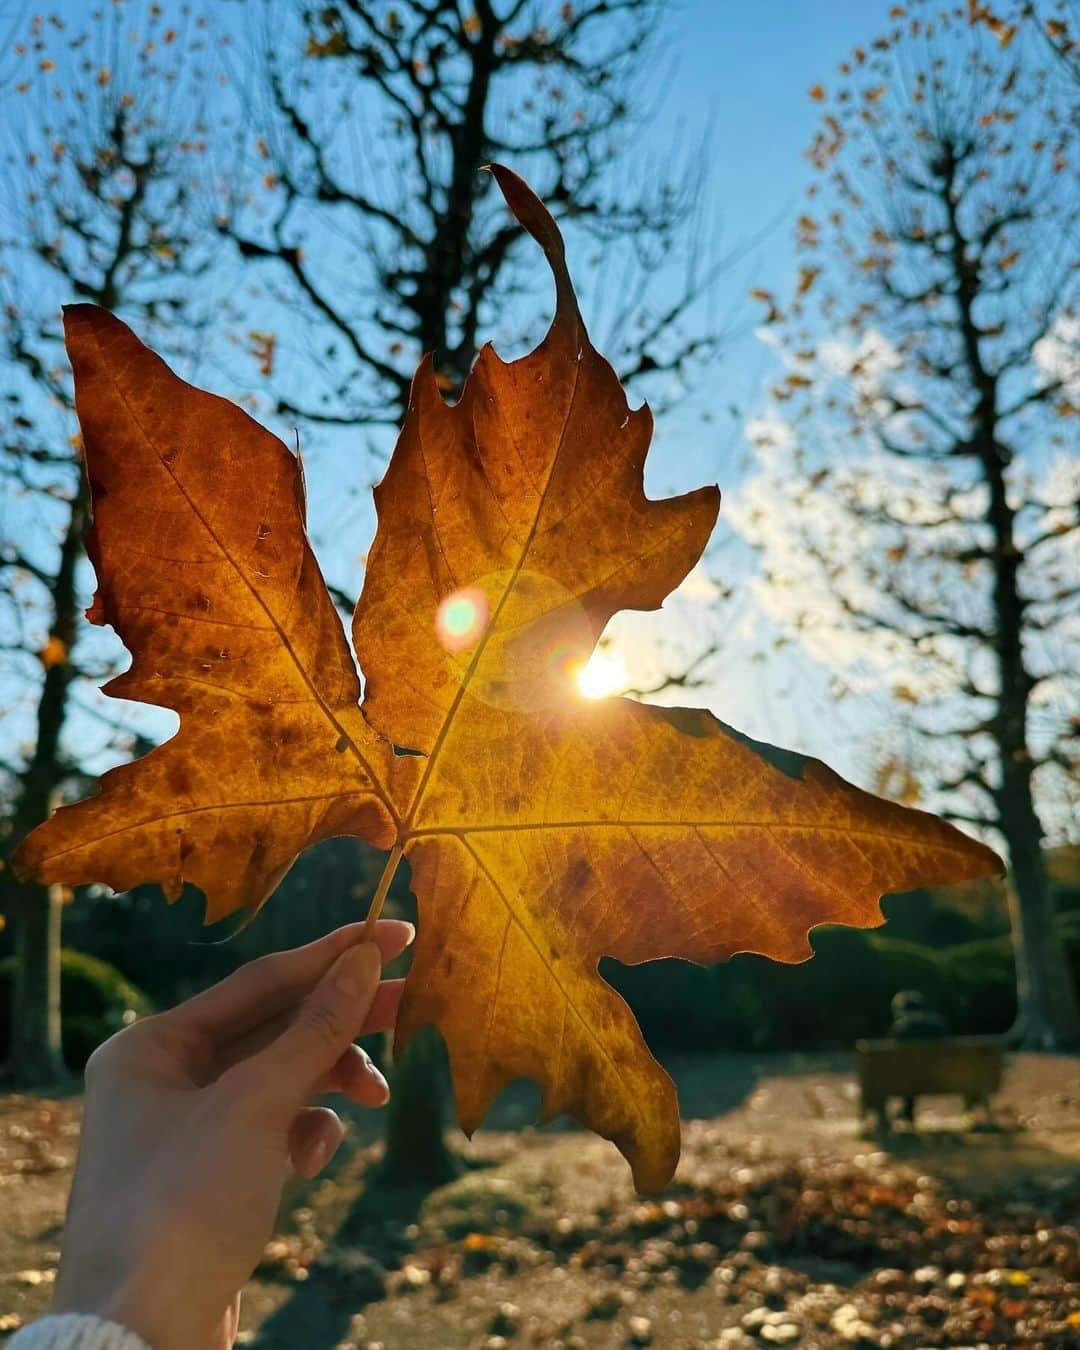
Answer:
(275, 984)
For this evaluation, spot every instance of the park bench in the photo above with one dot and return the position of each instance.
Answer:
(966, 1066)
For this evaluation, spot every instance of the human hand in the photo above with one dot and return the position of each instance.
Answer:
(195, 1118)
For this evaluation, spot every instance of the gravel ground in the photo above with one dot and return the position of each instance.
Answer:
(782, 1227)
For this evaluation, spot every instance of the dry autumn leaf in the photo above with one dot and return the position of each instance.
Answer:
(544, 831)
(205, 572)
(54, 653)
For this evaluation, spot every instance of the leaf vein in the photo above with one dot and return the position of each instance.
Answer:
(631, 1097)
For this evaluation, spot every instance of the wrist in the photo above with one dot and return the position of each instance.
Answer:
(159, 1321)
(143, 1284)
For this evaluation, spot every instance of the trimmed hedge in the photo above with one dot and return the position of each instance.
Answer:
(95, 1001)
(842, 993)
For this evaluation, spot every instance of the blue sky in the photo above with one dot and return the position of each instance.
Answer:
(748, 67)
(744, 71)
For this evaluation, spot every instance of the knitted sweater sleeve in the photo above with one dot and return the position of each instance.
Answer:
(71, 1331)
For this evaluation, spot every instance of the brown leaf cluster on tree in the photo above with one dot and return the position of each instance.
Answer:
(932, 372)
(543, 831)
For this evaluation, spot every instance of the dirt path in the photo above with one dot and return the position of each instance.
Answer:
(782, 1227)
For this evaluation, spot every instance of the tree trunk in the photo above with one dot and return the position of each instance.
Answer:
(417, 1156)
(36, 1052)
(416, 1151)
(36, 1058)
(1047, 1014)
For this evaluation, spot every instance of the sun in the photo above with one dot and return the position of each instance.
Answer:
(604, 673)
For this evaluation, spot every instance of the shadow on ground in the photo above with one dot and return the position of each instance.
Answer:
(775, 1173)
(374, 1232)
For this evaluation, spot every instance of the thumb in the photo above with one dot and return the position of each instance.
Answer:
(324, 1027)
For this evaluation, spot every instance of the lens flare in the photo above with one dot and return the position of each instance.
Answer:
(565, 660)
(604, 673)
(531, 658)
(461, 618)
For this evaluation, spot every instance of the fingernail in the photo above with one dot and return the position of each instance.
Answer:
(356, 966)
(412, 933)
(317, 1155)
(372, 1071)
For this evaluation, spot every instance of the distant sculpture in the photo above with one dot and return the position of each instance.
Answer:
(915, 1019)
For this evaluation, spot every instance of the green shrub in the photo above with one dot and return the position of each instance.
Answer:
(843, 993)
(95, 1001)
(845, 990)
(982, 985)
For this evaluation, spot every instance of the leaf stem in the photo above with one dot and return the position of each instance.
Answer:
(380, 892)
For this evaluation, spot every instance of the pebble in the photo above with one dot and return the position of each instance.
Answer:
(639, 1331)
(782, 1333)
(506, 1321)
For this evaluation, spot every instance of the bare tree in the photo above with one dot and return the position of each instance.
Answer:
(915, 501)
(105, 159)
(374, 226)
(378, 125)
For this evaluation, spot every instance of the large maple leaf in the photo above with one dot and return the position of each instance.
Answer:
(543, 831)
